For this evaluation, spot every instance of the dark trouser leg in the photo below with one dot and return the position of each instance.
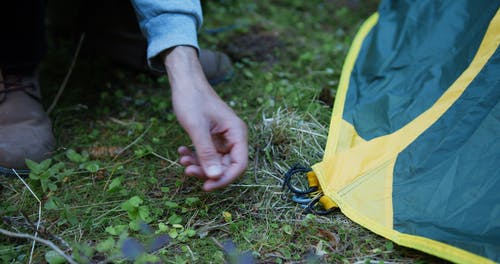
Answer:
(22, 43)
(110, 27)
(112, 31)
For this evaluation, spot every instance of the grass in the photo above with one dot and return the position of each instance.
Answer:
(117, 137)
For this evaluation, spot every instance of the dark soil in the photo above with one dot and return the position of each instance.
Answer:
(257, 44)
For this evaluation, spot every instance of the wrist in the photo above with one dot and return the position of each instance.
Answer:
(182, 64)
(178, 54)
(185, 73)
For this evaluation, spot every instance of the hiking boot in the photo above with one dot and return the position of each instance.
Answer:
(216, 65)
(25, 128)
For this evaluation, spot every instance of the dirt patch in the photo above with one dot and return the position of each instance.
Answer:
(257, 44)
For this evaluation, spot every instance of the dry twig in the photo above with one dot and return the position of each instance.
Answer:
(41, 240)
(68, 74)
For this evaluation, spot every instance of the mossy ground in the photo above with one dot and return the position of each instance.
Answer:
(117, 140)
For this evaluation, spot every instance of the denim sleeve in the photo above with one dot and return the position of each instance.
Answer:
(168, 23)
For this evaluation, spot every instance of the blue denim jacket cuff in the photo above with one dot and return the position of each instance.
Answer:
(166, 31)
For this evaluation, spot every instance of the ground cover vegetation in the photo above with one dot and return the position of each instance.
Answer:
(113, 191)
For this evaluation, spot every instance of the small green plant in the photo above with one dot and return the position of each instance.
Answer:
(116, 184)
(46, 174)
(55, 203)
(53, 257)
(77, 157)
(137, 213)
(83, 160)
(176, 231)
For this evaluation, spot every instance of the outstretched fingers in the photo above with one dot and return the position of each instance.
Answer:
(187, 157)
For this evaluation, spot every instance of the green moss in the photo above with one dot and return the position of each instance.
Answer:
(277, 89)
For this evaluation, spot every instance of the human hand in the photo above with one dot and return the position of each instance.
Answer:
(218, 135)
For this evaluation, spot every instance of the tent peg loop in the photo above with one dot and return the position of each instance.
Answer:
(298, 169)
(300, 199)
(311, 208)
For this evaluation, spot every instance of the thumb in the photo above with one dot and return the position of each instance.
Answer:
(208, 156)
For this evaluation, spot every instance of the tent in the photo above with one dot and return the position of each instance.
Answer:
(413, 150)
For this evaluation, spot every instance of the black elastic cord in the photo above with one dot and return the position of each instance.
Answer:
(309, 209)
(288, 180)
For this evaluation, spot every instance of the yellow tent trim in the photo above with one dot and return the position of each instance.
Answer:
(421, 243)
(338, 109)
(348, 169)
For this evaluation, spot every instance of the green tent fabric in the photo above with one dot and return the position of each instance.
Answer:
(413, 151)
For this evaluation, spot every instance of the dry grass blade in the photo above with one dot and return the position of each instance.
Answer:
(39, 213)
(68, 74)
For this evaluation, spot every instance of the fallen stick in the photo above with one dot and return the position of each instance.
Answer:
(40, 240)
